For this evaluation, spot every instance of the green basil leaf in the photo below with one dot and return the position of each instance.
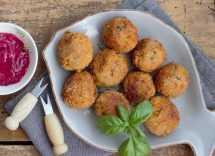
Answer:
(136, 131)
(141, 146)
(126, 148)
(141, 113)
(110, 125)
(134, 146)
(122, 112)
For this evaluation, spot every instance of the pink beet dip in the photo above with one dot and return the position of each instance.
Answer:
(14, 59)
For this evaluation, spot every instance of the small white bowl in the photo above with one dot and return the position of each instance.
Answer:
(27, 39)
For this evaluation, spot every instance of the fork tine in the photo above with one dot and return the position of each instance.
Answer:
(48, 99)
(39, 84)
(43, 87)
(43, 102)
(47, 106)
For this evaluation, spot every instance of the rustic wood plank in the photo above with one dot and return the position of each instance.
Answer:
(196, 18)
(18, 150)
(26, 150)
(177, 150)
(42, 18)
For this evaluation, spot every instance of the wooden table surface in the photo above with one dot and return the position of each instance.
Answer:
(42, 18)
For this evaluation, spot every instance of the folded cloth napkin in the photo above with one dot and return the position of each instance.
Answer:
(34, 123)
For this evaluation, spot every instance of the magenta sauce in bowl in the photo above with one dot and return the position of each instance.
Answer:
(14, 59)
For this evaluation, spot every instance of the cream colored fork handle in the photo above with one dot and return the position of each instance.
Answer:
(21, 111)
(55, 133)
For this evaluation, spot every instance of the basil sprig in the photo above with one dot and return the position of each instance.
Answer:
(136, 144)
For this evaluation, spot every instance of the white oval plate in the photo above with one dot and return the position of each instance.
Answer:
(194, 115)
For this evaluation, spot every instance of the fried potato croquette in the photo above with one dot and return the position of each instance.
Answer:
(120, 34)
(172, 80)
(107, 102)
(165, 117)
(74, 51)
(138, 86)
(108, 68)
(148, 55)
(79, 91)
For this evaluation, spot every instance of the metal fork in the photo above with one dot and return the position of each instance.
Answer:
(38, 89)
(53, 128)
(24, 106)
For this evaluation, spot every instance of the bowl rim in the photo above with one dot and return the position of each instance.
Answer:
(31, 73)
(116, 10)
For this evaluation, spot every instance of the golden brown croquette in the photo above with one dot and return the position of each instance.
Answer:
(138, 86)
(79, 91)
(165, 117)
(75, 51)
(148, 55)
(120, 34)
(172, 80)
(107, 102)
(108, 68)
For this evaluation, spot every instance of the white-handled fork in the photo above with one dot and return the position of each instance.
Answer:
(53, 128)
(24, 107)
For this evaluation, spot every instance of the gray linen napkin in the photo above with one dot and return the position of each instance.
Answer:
(34, 123)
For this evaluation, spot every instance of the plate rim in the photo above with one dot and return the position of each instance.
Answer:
(159, 20)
